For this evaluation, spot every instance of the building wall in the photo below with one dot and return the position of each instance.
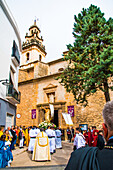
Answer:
(33, 94)
(5, 108)
(40, 69)
(28, 102)
(55, 66)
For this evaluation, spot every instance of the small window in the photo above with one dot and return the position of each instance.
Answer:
(40, 57)
(27, 56)
(32, 32)
(61, 69)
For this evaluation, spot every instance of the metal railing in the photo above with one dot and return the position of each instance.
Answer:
(11, 92)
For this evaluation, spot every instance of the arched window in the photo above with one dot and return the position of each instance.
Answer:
(27, 57)
(32, 32)
(40, 57)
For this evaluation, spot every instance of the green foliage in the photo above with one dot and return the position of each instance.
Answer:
(91, 55)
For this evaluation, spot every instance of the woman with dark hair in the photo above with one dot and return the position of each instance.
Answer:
(5, 154)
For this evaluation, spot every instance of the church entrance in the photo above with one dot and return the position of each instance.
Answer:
(55, 119)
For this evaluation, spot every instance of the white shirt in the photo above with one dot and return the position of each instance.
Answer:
(49, 132)
(37, 131)
(79, 140)
(32, 133)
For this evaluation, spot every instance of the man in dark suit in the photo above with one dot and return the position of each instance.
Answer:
(91, 158)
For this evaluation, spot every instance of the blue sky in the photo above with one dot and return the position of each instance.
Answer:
(56, 19)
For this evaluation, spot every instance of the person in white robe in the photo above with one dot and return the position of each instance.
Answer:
(37, 130)
(32, 134)
(53, 139)
(79, 140)
(58, 139)
(49, 133)
(41, 150)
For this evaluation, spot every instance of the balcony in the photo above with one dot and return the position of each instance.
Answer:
(12, 95)
(15, 54)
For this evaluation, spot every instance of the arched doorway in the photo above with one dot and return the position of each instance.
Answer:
(55, 118)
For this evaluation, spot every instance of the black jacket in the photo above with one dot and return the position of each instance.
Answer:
(92, 158)
(20, 135)
(105, 157)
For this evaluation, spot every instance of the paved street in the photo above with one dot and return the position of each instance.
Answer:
(22, 158)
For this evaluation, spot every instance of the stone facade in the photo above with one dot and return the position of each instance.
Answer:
(39, 88)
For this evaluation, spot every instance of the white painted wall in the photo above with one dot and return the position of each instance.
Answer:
(7, 35)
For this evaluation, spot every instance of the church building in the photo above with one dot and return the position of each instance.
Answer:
(40, 90)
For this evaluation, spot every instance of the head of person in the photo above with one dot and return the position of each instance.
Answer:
(89, 130)
(6, 132)
(2, 129)
(108, 120)
(3, 137)
(78, 130)
(42, 129)
(12, 127)
(100, 132)
(8, 128)
(48, 127)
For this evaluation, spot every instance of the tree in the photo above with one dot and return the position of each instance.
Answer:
(90, 58)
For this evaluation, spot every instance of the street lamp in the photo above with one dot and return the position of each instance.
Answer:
(5, 82)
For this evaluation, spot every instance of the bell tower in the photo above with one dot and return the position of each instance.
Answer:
(33, 49)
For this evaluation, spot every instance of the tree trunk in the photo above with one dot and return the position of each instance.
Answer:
(106, 93)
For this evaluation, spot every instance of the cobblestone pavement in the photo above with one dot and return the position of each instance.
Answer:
(22, 159)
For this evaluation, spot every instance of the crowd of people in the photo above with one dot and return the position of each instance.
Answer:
(46, 141)
(90, 146)
(30, 137)
(90, 137)
(94, 149)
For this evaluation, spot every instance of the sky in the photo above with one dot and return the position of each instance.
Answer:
(55, 18)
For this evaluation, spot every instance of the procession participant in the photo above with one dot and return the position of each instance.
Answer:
(1, 131)
(95, 137)
(21, 138)
(58, 138)
(49, 133)
(86, 136)
(92, 157)
(41, 150)
(37, 130)
(8, 137)
(69, 134)
(5, 153)
(79, 140)
(90, 137)
(9, 153)
(13, 133)
(16, 130)
(23, 130)
(72, 131)
(53, 139)
(27, 137)
(32, 135)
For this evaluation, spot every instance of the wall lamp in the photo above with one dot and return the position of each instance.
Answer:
(5, 82)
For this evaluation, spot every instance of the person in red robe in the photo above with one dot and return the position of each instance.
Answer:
(95, 137)
(86, 136)
(90, 137)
